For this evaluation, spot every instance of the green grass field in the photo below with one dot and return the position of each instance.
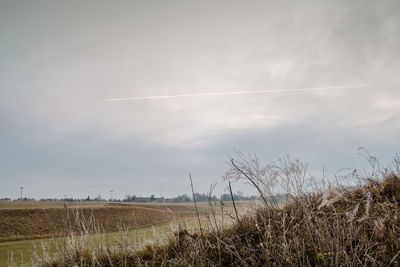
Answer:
(23, 249)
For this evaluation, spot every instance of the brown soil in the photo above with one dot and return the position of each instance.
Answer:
(30, 223)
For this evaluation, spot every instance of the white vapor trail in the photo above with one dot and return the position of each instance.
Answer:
(235, 93)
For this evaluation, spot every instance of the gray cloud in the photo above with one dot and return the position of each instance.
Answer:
(61, 61)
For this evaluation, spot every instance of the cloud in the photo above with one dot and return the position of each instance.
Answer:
(55, 73)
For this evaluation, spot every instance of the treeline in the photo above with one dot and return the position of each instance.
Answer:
(200, 197)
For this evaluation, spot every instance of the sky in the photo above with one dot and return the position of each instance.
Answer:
(81, 111)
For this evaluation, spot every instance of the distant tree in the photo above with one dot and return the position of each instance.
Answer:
(98, 198)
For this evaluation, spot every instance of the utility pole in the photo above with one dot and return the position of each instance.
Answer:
(20, 196)
(111, 191)
(162, 197)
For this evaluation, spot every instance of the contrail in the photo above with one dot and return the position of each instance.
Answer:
(235, 93)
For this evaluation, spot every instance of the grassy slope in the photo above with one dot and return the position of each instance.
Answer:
(344, 228)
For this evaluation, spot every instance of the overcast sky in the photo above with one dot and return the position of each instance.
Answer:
(61, 60)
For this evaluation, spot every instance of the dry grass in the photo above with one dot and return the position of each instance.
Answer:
(88, 245)
(322, 223)
(18, 253)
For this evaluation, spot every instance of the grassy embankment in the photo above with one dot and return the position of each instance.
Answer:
(322, 224)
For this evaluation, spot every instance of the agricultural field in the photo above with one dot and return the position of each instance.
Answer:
(26, 225)
(44, 219)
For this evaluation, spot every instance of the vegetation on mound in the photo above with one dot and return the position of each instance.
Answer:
(362, 228)
(327, 226)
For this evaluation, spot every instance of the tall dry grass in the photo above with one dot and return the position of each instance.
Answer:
(352, 219)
